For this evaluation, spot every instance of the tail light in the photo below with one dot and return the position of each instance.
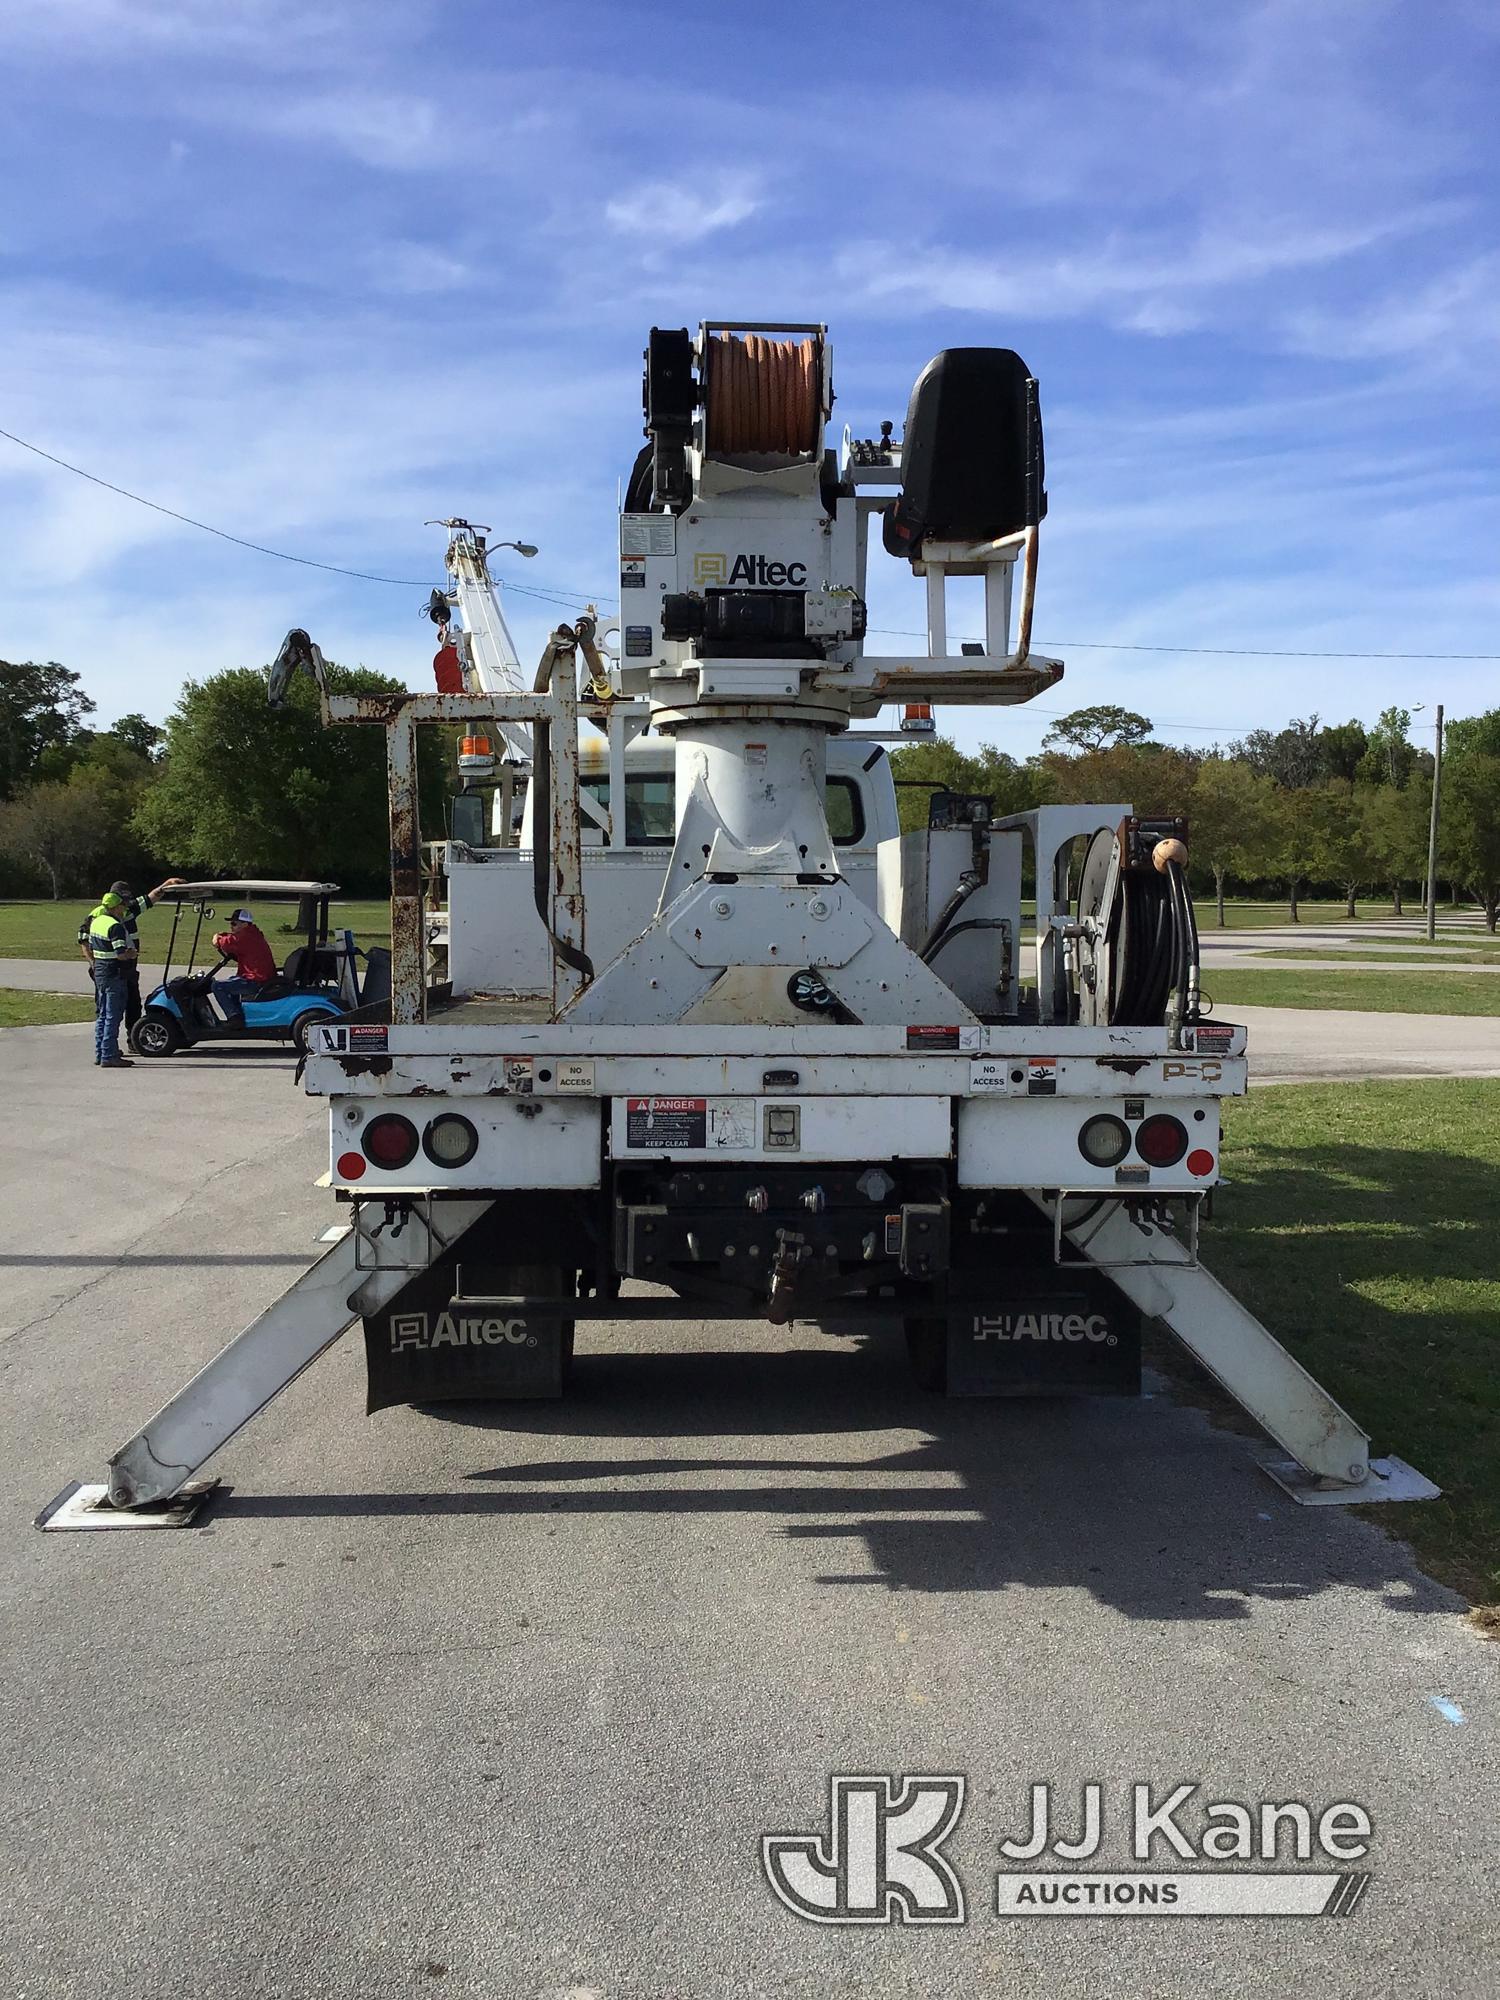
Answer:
(450, 1141)
(1104, 1141)
(1161, 1141)
(390, 1141)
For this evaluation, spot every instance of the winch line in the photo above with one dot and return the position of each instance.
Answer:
(762, 395)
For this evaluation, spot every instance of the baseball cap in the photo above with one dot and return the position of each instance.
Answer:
(119, 889)
(241, 917)
(112, 902)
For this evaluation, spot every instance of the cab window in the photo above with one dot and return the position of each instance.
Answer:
(651, 810)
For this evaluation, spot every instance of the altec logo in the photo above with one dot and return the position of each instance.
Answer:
(880, 1862)
(414, 1331)
(712, 566)
(1044, 1326)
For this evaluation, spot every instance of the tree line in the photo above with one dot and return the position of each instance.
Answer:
(1310, 807)
(230, 786)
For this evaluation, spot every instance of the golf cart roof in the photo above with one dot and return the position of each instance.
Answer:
(268, 892)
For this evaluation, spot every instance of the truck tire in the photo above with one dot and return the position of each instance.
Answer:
(156, 1034)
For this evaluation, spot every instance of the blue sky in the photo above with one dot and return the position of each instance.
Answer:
(315, 272)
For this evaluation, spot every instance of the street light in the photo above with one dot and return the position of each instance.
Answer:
(521, 548)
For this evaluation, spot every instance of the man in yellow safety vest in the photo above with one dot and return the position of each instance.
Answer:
(111, 953)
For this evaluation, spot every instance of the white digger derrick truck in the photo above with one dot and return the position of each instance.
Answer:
(817, 1075)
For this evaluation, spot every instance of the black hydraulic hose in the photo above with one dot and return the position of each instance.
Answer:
(968, 882)
(957, 930)
(1186, 955)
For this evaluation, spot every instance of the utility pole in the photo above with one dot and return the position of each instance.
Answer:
(1432, 830)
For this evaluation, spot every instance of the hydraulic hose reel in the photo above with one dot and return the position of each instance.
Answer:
(1137, 937)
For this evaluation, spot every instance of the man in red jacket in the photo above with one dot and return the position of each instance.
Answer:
(245, 943)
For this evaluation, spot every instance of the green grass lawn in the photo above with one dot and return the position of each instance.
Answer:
(49, 930)
(1360, 1226)
(42, 1010)
(1362, 992)
(1434, 956)
(1248, 916)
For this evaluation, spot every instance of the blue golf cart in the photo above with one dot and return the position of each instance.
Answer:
(320, 979)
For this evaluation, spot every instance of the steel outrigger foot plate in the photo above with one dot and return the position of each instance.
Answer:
(1389, 1479)
(87, 1507)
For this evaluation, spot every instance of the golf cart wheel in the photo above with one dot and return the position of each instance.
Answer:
(303, 1026)
(155, 1034)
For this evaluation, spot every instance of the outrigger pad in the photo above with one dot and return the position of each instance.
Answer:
(80, 1507)
(1390, 1479)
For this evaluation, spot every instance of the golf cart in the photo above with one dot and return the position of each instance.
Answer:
(319, 980)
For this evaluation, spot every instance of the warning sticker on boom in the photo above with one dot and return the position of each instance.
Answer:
(684, 1124)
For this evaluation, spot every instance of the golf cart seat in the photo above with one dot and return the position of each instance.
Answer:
(376, 985)
(306, 967)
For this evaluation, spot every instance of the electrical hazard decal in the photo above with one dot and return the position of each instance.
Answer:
(1041, 1076)
(690, 1124)
(662, 1123)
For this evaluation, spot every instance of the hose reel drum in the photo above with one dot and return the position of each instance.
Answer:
(1137, 940)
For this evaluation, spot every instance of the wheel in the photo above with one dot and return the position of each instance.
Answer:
(303, 1026)
(156, 1034)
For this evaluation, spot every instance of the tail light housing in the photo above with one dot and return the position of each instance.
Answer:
(1105, 1140)
(390, 1141)
(1161, 1140)
(450, 1141)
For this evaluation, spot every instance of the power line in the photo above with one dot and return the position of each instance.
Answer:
(1219, 652)
(156, 507)
(571, 598)
(259, 548)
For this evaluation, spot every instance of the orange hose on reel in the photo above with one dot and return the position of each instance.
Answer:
(763, 395)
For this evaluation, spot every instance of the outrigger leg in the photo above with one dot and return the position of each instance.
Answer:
(151, 1479)
(1330, 1460)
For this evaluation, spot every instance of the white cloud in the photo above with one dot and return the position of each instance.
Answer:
(672, 212)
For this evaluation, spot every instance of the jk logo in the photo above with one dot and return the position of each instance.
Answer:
(881, 1862)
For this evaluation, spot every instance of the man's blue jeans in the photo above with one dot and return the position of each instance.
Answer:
(233, 993)
(109, 1009)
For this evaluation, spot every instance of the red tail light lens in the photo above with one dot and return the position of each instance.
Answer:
(1200, 1163)
(390, 1141)
(1161, 1141)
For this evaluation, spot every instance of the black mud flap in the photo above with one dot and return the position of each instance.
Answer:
(429, 1346)
(1034, 1333)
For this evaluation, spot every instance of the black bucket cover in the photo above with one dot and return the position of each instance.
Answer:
(972, 466)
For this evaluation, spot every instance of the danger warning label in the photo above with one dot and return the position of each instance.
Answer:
(659, 1122)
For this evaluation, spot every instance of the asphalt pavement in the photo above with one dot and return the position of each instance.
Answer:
(499, 1703)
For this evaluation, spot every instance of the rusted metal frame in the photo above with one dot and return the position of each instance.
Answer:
(408, 945)
(565, 862)
(554, 701)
